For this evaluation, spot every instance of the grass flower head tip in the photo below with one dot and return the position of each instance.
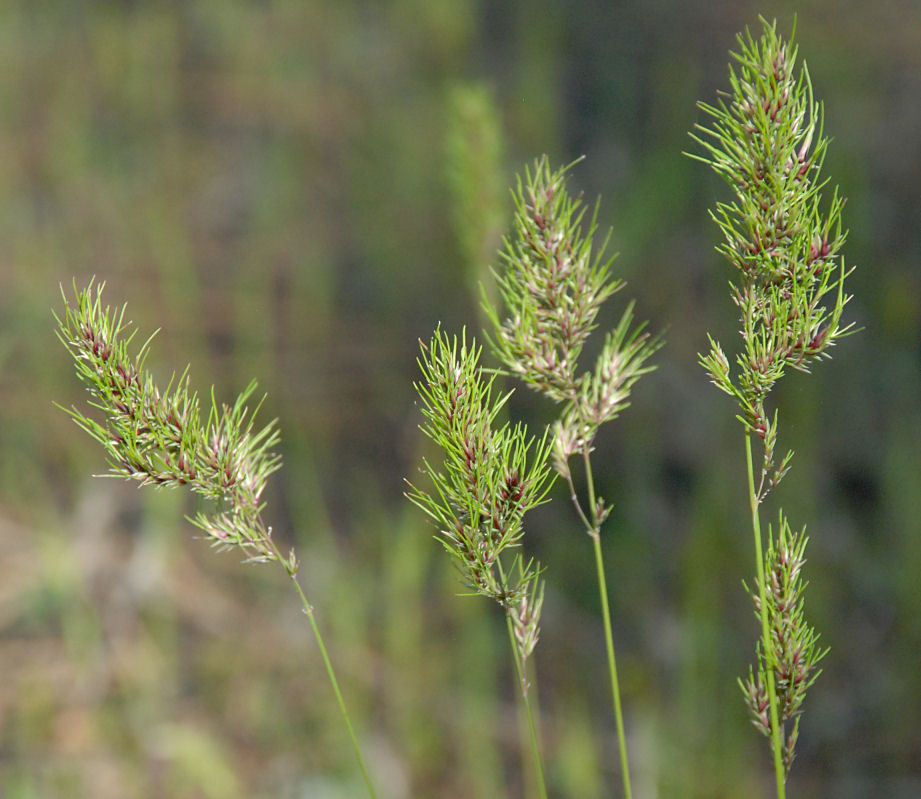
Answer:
(784, 242)
(553, 280)
(158, 437)
(490, 476)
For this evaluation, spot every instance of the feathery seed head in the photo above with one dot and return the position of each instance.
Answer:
(157, 437)
(766, 140)
(553, 281)
(490, 476)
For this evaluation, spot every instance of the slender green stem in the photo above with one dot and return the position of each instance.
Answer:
(308, 609)
(594, 531)
(590, 484)
(612, 663)
(532, 727)
(578, 505)
(766, 644)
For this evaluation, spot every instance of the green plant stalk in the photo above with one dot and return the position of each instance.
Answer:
(612, 663)
(308, 610)
(529, 712)
(594, 531)
(593, 528)
(768, 649)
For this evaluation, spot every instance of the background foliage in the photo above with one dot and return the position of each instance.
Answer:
(299, 191)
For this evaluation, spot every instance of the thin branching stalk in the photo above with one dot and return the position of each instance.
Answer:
(330, 671)
(158, 438)
(552, 282)
(766, 140)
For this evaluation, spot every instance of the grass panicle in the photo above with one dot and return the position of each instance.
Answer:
(553, 279)
(766, 140)
(490, 476)
(783, 240)
(158, 438)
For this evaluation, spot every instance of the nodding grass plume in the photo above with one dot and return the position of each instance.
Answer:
(157, 437)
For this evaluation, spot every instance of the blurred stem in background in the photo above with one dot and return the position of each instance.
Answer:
(157, 438)
(474, 170)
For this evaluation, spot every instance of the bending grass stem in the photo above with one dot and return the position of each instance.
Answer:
(766, 644)
(308, 610)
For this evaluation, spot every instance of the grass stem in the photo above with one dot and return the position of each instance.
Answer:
(766, 643)
(529, 712)
(612, 663)
(594, 532)
(308, 610)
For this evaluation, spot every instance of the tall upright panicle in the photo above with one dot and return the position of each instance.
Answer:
(553, 280)
(766, 140)
(552, 283)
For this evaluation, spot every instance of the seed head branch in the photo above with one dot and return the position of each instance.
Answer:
(795, 652)
(553, 281)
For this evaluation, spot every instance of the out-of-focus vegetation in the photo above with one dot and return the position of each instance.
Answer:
(281, 187)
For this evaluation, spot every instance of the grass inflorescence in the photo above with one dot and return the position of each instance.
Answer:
(491, 475)
(157, 437)
(552, 282)
(782, 236)
(784, 242)
(553, 279)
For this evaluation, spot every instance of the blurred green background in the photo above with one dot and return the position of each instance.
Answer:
(299, 191)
